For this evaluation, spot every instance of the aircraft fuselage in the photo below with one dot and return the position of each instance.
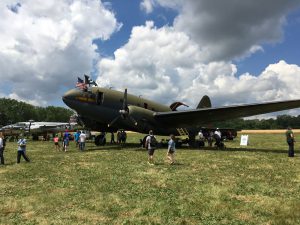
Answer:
(98, 107)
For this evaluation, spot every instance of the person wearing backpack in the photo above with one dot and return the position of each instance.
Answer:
(2, 145)
(22, 149)
(151, 143)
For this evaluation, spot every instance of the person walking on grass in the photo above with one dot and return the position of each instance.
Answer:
(66, 140)
(2, 145)
(290, 139)
(82, 138)
(22, 149)
(56, 142)
(171, 150)
(150, 144)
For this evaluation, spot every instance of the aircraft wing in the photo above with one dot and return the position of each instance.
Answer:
(205, 116)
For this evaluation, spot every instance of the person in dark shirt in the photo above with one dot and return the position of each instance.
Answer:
(2, 145)
(290, 139)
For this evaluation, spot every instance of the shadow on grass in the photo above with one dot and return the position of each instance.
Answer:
(248, 150)
(137, 147)
(131, 146)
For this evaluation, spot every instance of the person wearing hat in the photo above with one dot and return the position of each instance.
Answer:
(290, 139)
(22, 149)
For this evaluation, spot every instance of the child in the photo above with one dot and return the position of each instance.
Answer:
(56, 139)
(171, 149)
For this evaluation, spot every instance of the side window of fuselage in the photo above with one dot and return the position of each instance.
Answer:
(99, 98)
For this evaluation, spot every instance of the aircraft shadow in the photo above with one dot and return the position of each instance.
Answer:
(131, 146)
(137, 147)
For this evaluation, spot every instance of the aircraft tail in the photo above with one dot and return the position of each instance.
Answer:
(204, 102)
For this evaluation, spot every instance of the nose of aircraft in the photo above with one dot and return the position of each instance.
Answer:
(70, 95)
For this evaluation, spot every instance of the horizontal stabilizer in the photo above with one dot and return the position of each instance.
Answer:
(175, 105)
(204, 102)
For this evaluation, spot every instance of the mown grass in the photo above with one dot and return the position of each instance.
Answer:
(112, 185)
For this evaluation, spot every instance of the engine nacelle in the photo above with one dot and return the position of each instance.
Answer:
(141, 115)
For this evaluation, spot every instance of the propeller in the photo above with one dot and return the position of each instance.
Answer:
(124, 112)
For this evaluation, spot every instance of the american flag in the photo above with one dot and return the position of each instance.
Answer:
(80, 84)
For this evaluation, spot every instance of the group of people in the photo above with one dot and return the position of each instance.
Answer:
(210, 137)
(21, 151)
(151, 144)
(79, 138)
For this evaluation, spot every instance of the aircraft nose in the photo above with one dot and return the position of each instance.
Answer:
(70, 95)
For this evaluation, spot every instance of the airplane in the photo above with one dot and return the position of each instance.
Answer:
(35, 128)
(107, 110)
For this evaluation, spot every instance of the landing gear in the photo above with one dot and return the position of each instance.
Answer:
(100, 140)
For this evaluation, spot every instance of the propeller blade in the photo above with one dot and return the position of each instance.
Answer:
(125, 100)
(114, 120)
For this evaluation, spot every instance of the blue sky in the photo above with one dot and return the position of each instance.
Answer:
(167, 50)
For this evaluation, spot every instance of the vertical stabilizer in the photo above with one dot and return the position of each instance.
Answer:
(204, 102)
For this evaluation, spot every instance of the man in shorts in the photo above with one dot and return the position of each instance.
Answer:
(171, 150)
(151, 146)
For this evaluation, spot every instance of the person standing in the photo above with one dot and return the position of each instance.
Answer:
(66, 140)
(22, 149)
(290, 139)
(151, 145)
(1, 149)
(112, 138)
(56, 142)
(218, 136)
(76, 138)
(171, 150)
(82, 138)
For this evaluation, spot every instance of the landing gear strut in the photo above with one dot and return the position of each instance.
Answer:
(100, 140)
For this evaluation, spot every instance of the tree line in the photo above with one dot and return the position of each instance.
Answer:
(13, 111)
(280, 122)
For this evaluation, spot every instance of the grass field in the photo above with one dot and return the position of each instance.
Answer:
(112, 185)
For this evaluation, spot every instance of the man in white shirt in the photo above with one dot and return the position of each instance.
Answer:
(217, 136)
(82, 138)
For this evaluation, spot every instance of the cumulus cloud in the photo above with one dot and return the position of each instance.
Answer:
(230, 29)
(164, 64)
(44, 45)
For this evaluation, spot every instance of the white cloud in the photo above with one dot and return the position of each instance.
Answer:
(44, 45)
(166, 65)
(230, 29)
(147, 5)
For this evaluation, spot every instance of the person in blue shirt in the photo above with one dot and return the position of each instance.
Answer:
(22, 149)
(171, 150)
(66, 139)
(76, 138)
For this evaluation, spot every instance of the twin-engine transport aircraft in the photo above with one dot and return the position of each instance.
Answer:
(108, 110)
